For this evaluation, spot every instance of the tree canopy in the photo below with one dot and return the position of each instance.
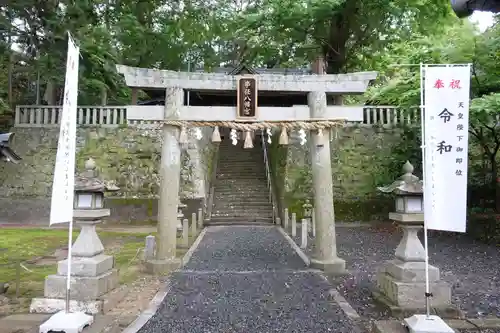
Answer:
(151, 33)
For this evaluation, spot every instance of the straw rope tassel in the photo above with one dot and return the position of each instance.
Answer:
(283, 137)
(183, 137)
(248, 140)
(320, 138)
(216, 135)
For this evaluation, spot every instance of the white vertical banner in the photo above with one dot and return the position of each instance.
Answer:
(61, 209)
(446, 125)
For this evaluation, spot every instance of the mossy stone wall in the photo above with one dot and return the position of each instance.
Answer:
(360, 158)
(129, 156)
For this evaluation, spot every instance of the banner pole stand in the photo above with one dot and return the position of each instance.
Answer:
(426, 323)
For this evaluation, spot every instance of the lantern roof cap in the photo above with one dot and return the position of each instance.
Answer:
(88, 181)
(407, 184)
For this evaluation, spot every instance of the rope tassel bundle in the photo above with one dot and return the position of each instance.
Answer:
(248, 140)
(283, 137)
(248, 128)
(183, 136)
(216, 135)
(320, 139)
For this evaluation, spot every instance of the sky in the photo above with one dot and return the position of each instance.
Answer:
(483, 19)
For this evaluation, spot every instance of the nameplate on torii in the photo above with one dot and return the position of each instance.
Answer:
(247, 94)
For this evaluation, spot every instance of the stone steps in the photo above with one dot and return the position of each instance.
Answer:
(243, 166)
(241, 194)
(246, 184)
(242, 217)
(229, 194)
(214, 221)
(248, 201)
(241, 211)
(239, 175)
(242, 203)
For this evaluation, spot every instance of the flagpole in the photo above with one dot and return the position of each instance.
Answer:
(68, 278)
(70, 231)
(428, 293)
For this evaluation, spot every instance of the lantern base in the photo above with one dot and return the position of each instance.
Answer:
(68, 322)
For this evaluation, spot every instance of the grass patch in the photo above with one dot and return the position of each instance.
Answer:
(35, 248)
(25, 245)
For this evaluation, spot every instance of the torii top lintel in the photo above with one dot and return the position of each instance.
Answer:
(354, 83)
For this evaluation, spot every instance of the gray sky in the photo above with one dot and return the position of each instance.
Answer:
(483, 19)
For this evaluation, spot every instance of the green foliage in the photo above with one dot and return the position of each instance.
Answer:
(350, 34)
(399, 81)
(346, 33)
(459, 42)
(407, 149)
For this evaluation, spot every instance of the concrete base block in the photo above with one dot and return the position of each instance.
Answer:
(82, 266)
(83, 288)
(335, 266)
(68, 322)
(410, 271)
(53, 305)
(427, 324)
(162, 267)
(396, 326)
(411, 294)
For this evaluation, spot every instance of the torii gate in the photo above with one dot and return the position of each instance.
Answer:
(316, 86)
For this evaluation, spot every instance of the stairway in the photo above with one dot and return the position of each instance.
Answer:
(241, 195)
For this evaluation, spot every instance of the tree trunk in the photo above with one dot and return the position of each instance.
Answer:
(50, 93)
(10, 80)
(104, 96)
(340, 31)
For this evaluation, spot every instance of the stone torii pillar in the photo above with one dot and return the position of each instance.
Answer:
(325, 255)
(170, 168)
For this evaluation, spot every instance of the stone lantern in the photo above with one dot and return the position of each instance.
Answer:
(401, 281)
(307, 209)
(92, 272)
(180, 217)
(308, 212)
(89, 210)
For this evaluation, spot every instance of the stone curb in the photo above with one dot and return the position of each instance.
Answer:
(155, 303)
(335, 296)
(193, 247)
(294, 246)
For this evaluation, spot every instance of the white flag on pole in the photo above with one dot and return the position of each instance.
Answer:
(61, 208)
(446, 125)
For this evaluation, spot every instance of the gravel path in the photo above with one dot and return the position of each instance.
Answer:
(248, 279)
(472, 268)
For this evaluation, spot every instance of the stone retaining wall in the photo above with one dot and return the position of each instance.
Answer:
(359, 164)
(130, 156)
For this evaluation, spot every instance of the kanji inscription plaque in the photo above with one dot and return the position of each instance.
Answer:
(247, 98)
